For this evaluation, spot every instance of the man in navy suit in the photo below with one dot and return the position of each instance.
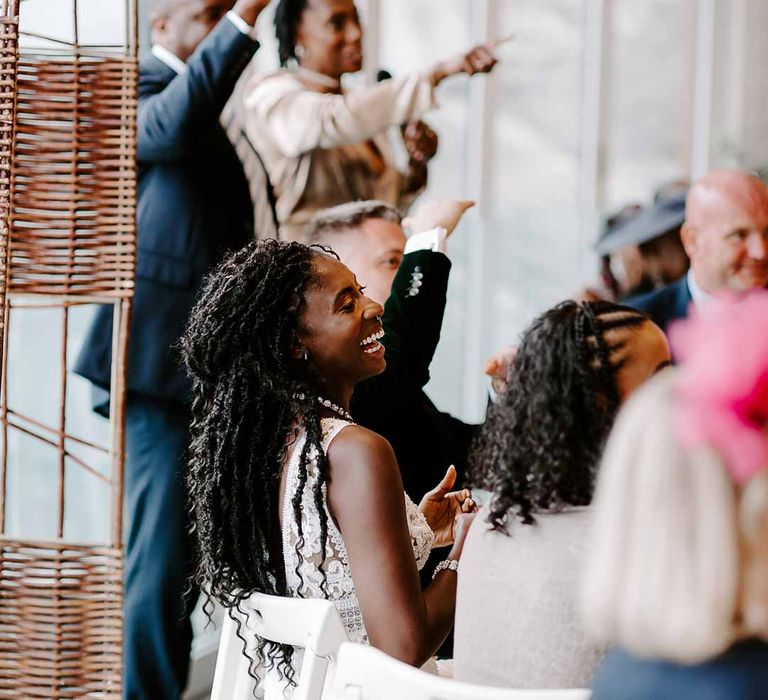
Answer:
(725, 235)
(193, 207)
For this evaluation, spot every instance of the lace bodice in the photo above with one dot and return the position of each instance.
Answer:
(303, 569)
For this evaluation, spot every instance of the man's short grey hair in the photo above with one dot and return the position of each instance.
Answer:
(344, 217)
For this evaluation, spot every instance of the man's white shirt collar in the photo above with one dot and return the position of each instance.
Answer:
(169, 58)
(179, 67)
(699, 296)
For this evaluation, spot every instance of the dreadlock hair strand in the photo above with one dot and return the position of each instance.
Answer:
(248, 395)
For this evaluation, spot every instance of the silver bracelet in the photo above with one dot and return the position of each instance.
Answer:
(446, 564)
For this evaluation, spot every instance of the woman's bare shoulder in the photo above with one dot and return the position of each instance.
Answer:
(355, 443)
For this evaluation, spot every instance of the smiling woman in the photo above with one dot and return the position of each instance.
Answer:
(322, 145)
(289, 496)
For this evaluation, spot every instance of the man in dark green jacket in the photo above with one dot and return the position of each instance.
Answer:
(411, 279)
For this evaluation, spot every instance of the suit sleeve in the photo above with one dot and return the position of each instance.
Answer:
(169, 120)
(413, 318)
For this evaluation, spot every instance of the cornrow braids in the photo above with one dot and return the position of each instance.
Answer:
(539, 447)
(287, 19)
(249, 396)
(597, 353)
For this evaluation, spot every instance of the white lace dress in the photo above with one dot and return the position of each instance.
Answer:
(308, 561)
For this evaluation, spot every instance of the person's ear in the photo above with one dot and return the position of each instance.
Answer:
(688, 236)
(159, 26)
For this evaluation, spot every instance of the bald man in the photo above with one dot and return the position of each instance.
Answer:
(725, 235)
(193, 207)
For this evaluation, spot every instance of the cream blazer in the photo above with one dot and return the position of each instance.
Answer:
(316, 146)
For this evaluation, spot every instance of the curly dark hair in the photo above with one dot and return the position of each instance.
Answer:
(540, 445)
(248, 392)
(287, 19)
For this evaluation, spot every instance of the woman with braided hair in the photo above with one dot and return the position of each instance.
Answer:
(288, 495)
(537, 455)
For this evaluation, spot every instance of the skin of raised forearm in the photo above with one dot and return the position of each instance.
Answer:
(249, 10)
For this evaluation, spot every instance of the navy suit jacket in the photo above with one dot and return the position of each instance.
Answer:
(193, 207)
(741, 673)
(425, 440)
(664, 305)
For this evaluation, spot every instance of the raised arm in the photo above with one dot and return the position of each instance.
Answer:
(413, 316)
(299, 120)
(171, 120)
(365, 496)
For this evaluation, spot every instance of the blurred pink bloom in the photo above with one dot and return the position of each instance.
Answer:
(723, 381)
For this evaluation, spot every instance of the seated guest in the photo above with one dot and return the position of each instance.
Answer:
(322, 146)
(516, 617)
(652, 237)
(289, 496)
(621, 267)
(678, 574)
(641, 249)
(661, 246)
(725, 235)
(411, 280)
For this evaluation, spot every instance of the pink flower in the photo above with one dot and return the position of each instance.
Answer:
(722, 387)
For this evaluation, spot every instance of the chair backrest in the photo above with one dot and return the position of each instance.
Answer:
(365, 673)
(313, 625)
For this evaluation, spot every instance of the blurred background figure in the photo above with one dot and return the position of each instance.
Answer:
(640, 248)
(193, 208)
(621, 267)
(677, 577)
(322, 145)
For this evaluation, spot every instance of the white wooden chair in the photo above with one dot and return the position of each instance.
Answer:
(313, 625)
(365, 673)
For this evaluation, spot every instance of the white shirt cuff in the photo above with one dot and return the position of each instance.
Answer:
(435, 239)
(241, 24)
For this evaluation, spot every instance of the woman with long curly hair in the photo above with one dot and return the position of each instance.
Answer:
(288, 495)
(537, 456)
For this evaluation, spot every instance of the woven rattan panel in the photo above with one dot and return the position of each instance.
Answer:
(9, 40)
(60, 629)
(73, 180)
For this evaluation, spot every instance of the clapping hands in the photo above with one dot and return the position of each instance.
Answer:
(441, 507)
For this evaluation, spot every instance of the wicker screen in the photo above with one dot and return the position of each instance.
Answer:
(67, 239)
